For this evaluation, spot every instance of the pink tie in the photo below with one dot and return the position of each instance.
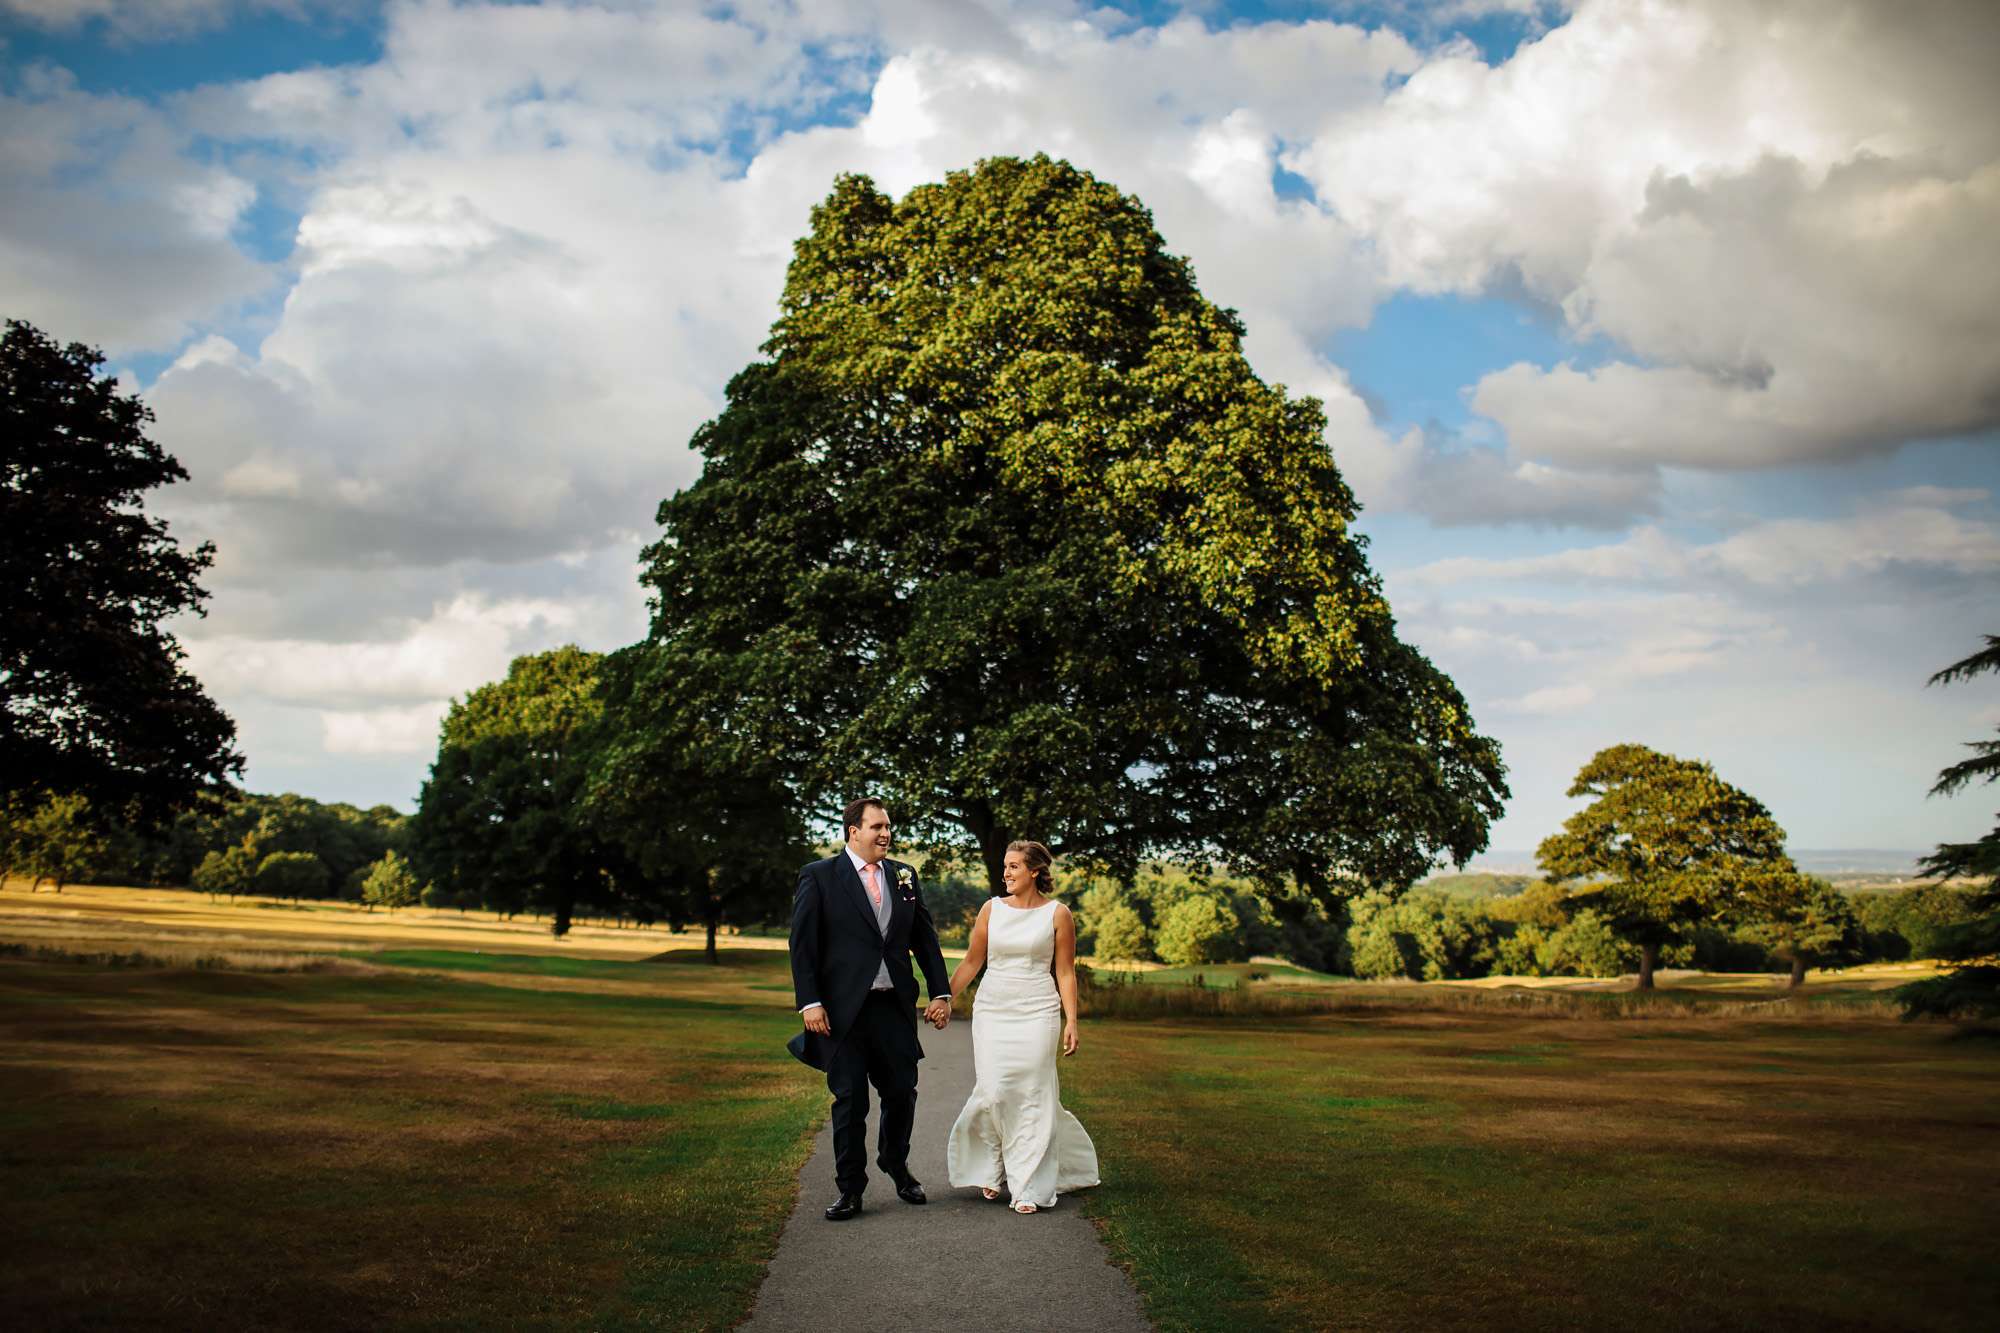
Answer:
(874, 889)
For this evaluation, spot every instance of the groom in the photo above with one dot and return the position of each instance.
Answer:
(856, 920)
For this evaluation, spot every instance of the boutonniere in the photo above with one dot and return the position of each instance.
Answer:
(906, 882)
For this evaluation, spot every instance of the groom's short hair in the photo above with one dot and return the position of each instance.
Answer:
(850, 818)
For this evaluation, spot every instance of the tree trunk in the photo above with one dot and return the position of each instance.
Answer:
(993, 838)
(1649, 957)
(1798, 970)
(711, 915)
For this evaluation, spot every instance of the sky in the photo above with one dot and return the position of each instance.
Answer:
(1659, 340)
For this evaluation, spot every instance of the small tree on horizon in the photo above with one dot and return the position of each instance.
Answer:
(389, 883)
(292, 875)
(1665, 845)
(231, 870)
(59, 840)
(1814, 924)
(1196, 930)
(1116, 930)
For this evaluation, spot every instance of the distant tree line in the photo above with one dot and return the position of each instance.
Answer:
(1481, 926)
(274, 846)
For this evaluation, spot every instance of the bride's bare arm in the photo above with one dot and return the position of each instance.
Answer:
(1065, 962)
(975, 952)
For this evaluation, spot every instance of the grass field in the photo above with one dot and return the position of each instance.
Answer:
(1428, 1170)
(463, 1123)
(363, 1148)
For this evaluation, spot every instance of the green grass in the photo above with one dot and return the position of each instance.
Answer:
(328, 1150)
(538, 965)
(1421, 1170)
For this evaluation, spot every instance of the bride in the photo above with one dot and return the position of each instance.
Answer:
(1014, 1132)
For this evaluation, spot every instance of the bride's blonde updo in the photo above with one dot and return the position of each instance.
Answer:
(1036, 857)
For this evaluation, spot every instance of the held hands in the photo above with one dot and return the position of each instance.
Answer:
(938, 1013)
(1069, 1037)
(817, 1022)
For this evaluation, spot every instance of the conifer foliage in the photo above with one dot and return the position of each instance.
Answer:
(1972, 988)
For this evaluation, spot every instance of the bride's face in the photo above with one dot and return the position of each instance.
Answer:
(1014, 873)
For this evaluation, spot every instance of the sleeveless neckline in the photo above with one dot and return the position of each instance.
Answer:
(1048, 902)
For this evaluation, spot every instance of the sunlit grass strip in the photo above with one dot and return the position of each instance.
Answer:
(1104, 995)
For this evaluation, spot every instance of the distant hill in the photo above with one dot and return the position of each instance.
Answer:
(1478, 884)
(1813, 860)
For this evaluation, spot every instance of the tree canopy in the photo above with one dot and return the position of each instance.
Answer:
(1813, 923)
(1973, 986)
(715, 838)
(55, 838)
(389, 883)
(96, 701)
(1004, 529)
(1665, 845)
(499, 815)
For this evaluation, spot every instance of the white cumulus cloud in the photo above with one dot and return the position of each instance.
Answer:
(1779, 211)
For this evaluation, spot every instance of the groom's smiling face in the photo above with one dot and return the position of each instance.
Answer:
(870, 838)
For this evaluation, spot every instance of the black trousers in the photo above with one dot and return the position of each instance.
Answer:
(881, 1048)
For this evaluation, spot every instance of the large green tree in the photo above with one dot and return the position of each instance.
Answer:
(712, 837)
(1004, 528)
(93, 697)
(1665, 845)
(1972, 986)
(500, 814)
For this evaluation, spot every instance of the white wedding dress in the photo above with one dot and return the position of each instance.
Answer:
(1014, 1133)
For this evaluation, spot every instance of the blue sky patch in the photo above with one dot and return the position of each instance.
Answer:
(249, 47)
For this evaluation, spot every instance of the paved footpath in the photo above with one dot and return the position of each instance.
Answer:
(958, 1261)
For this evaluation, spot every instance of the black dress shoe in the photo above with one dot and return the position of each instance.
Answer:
(909, 1191)
(846, 1206)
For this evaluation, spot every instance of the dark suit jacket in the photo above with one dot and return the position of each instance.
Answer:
(837, 947)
